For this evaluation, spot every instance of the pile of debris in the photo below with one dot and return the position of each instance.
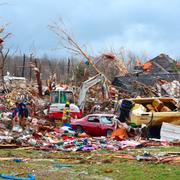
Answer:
(157, 77)
(41, 133)
(43, 137)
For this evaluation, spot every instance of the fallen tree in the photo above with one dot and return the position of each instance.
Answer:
(69, 43)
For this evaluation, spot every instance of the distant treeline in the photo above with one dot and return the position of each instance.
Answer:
(70, 69)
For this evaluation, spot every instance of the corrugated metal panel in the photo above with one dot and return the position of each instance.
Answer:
(170, 132)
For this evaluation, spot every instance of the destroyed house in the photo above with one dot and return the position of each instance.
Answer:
(160, 64)
(161, 67)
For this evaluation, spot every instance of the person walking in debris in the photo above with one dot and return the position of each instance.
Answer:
(15, 114)
(23, 114)
(66, 118)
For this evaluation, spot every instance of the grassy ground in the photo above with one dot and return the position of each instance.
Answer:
(88, 165)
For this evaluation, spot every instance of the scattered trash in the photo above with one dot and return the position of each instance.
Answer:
(29, 177)
(93, 115)
(17, 160)
(108, 171)
(160, 157)
(61, 166)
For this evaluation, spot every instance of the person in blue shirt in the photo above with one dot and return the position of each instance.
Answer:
(19, 114)
(15, 114)
(23, 114)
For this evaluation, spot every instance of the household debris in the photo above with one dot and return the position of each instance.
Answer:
(29, 177)
(42, 133)
(66, 140)
(170, 132)
(173, 158)
(47, 125)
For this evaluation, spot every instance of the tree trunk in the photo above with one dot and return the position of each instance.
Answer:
(38, 77)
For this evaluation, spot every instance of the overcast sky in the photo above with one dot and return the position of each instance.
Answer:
(142, 26)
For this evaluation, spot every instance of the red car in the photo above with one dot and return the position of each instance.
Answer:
(94, 124)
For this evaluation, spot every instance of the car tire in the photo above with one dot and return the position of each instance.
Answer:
(79, 129)
(109, 133)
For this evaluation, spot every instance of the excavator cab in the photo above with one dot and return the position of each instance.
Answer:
(62, 97)
(59, 97)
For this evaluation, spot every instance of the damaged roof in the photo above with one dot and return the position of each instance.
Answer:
(147, 79)
(161, 63)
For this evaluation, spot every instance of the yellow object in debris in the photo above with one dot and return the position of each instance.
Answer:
(138, 109)
(156, 118)
(66, 115)
(157, 104)
(68, 103)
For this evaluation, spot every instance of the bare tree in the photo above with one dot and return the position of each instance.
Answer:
(69, 43)
(37, 69)
(3, 54)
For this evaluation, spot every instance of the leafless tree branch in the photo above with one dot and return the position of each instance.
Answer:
(70, 43)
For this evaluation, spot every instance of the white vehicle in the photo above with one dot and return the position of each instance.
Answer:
(60, 96)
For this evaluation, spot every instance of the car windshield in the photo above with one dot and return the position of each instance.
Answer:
(55, 96)
(62, 97)
(93, 119)
(66, 96)
(106, 119)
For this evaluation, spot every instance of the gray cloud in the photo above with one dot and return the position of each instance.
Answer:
(150, 26)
